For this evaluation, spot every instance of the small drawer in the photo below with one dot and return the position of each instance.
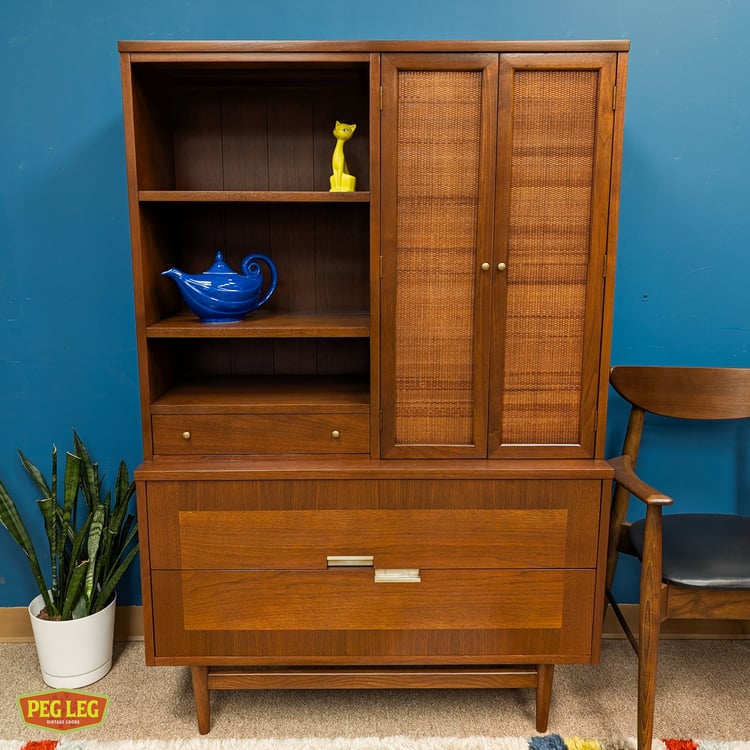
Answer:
(207, 434)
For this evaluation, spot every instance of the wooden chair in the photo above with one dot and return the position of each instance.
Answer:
(693, 566)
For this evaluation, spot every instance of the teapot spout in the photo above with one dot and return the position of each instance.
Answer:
(173, 273)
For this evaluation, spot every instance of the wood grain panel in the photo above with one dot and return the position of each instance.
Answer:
(404, 523)
(451, 617)
(396, 539)
(340, 599)
(244, 139)
(196, 123)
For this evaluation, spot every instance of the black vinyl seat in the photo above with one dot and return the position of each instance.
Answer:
(702, 549)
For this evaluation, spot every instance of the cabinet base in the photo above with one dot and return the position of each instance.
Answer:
(206, 679)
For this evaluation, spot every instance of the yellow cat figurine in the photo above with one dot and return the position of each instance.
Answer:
(341, 180)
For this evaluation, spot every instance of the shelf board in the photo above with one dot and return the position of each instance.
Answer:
(251, 196)
(263, 324)
(266, 395)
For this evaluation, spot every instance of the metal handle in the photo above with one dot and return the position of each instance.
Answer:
(501, 266)
(398, 575)
(186, 435)
(350, 561)
(485, 266)
(335, 434)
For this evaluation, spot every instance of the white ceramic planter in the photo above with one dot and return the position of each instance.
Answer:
(73, 653)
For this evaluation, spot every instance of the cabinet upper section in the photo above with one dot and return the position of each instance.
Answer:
(458, 303)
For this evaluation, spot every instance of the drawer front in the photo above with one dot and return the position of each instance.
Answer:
(340, 615)
(194, 434)
(299, 525)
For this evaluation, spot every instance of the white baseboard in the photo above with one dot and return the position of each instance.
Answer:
(15, 625)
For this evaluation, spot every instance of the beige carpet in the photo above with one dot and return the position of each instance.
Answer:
(703, 692)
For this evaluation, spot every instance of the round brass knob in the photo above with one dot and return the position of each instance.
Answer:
(186, 435)
(335, 434)
(485, 266)
(501, 266)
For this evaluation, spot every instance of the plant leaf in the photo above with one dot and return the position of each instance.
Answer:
(75, 590)
(48, 509)
(70, 493)
(110, 583)
(96, 530)
(90, 482)
(12, 521)
(37, 476)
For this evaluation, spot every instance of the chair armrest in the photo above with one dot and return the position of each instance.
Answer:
(629, 480)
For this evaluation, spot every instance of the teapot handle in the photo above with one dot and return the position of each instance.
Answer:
(250, 267)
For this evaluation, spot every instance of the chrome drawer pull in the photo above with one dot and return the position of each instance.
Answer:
(350, 561)
(398, 575)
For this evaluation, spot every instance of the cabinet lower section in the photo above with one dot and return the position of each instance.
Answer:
(358, 573)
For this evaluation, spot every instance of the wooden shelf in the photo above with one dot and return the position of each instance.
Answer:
(277, 395)
(266, 324)
(250, 196)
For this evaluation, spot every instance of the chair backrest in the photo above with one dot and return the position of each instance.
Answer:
(685, 392)
(679, 392)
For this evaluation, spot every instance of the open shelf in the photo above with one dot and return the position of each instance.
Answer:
(266, 324)
(258, 394)
(251, 196)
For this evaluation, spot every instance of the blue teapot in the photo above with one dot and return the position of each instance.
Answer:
(219, 295)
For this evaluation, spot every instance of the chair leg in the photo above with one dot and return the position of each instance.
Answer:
(650, 621)
(649, 644)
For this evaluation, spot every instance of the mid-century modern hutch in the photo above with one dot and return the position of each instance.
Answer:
(391, 474)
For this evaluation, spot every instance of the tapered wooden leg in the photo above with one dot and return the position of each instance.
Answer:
(650, 621)
(545, 672)
(202, 698)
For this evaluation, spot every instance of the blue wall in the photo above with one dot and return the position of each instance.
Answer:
(67, 345)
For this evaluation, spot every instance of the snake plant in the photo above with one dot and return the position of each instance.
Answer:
(92, 538)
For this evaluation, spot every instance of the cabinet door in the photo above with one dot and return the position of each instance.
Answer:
(438, 129)
(555, 151)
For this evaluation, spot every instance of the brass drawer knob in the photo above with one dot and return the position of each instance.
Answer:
(485, 266)
(186, 435)
(501, 266)
(335, 434)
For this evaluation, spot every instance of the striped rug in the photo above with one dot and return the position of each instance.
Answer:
(540, 742)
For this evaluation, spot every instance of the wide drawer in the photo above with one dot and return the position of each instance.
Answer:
(206, 434)
(339, 615)
(300, 525)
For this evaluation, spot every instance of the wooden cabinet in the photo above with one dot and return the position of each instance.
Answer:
(496, 188)
(391, 475)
